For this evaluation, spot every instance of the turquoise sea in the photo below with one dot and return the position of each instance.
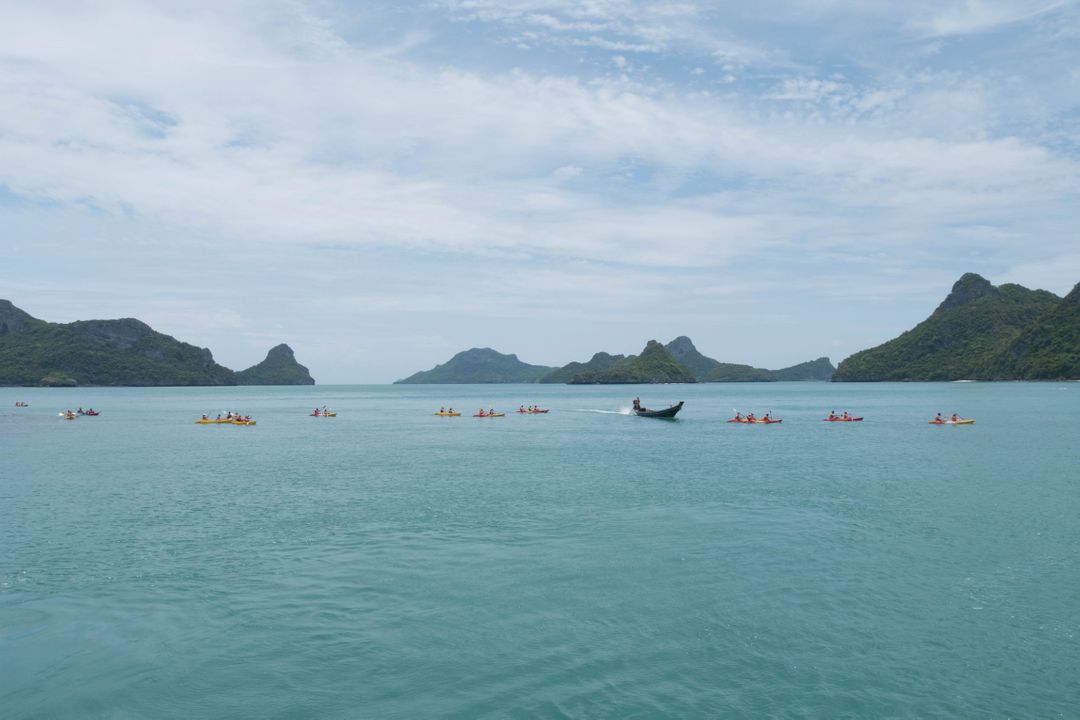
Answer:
(387, 563)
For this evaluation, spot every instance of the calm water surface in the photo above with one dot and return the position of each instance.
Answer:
(387, 563)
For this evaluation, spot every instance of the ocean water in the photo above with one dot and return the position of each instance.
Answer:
(586, 563)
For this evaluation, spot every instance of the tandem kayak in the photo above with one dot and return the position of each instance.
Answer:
(448, 414)
(840, 419)
(951, 422)
(491, 415)
(532, 412)
(322, 414)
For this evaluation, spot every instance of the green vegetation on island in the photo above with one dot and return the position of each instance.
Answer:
(654, 365)
(677, 362)
(820, 369)
(101, 352)
(279, 368)
(566, 374)
(980, 332)
(479, 365)
(1049, 349)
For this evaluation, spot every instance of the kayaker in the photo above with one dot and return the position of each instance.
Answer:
(939, 419)
(481, 412)
(637, 403)
(451, 410)
(768, 416)
(846, 416)
(442, 410)
(491, 411)
(955, 417)
(832, 415)
(750, 417)
(738, 416)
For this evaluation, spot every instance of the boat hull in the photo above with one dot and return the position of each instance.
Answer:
(665, 413)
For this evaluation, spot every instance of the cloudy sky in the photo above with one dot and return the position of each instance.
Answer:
(384, 183)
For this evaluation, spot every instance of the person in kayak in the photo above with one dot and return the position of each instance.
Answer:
(451, 410)
(738, 416)
(955, 418)
(845, 416)
(938, 418)
(481, 412)
(750, 417)
(637, 403)
(491, 411)
(832, 415)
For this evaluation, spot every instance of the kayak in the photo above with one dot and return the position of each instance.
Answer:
(213, 422)
(91, 414)
(533, 412)
(447, 414)
(243, 422)
(840, 419)
(491, 415)
(322, 414)
(952, 422)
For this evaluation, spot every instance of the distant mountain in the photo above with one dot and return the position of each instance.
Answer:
(974, 334)
(602, 368)
(683, 350)
(99, 352)
(705, 369)
(654, 365)
(565, 374)
(480, 365)
(1047, 350)
(820, 369)
(279, 368)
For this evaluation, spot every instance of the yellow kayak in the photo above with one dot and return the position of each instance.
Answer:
(243, 422)
(213, 422)
(448, 414)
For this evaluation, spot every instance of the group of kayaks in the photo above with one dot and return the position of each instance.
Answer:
(768, 419)
(481, 413)
(73, 414)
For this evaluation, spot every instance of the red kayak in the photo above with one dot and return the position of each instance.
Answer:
(756, 421)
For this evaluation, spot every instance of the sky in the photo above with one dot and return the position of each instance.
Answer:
(383, 184)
